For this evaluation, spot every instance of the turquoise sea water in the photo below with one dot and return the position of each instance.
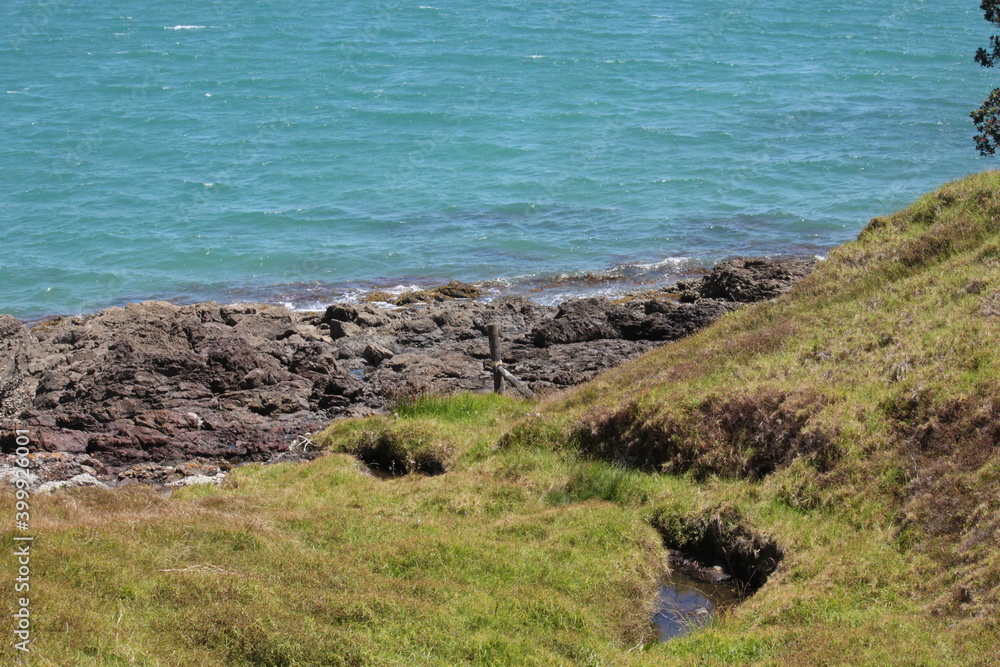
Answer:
(297, 152)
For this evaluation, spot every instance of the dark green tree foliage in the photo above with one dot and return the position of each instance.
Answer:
(987, 116)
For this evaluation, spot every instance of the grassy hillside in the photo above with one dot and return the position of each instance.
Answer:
(866, 405)
(848, 432)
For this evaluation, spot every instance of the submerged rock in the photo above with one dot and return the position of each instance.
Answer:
(453, 290)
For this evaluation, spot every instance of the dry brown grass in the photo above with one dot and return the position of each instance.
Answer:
(745, 435)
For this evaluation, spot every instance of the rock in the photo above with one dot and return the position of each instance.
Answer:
(667, 320)
(201, 467)
(307, 332)
(419, 372)
(353, 348)
(515, 314)
(375, 354)
(44, 467)
(9, 474)
(340, 313)
(83, 479)
(420, 325)
(453, 290)
(410, 298)
(340, 329)
(347, 385)
(577, 321)
(63, 440)
(571, 330)
(586, 308)
(750, 280)
(561, 366)
(459, 290)
(364, 315)
(127, 394)
(168, 422)
(420, 332)
(17, 347)
(458, 320)
(198, 479)
(149, 472)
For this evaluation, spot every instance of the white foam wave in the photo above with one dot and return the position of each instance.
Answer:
(308, 307)
(185, 27)
(392, 291)
(670, 263)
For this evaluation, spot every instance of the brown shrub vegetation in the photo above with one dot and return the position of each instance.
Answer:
(745, 435)
(952, 447)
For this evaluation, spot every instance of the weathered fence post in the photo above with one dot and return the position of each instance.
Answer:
(520, 386)
(493, 331)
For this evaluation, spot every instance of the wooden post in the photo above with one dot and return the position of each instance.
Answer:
(493, 331)
(520, 386)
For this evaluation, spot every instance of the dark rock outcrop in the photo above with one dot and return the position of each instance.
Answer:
(749, 280)
(17, 347)
(157, 384)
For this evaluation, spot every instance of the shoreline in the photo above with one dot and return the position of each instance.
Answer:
(164, 393)
(552, 288)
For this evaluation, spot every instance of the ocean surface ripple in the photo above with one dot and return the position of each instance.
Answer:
(302, 152)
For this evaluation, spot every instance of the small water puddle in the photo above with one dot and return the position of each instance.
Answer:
(691, 597)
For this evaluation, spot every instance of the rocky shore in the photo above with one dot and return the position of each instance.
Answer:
(177, 394)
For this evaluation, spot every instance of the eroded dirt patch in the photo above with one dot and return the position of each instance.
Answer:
(395, 448)
(721, 545)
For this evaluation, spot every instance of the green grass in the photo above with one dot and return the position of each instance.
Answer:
(322, 564)
(852, 425)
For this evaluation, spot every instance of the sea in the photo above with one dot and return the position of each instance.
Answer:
(313, 151)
